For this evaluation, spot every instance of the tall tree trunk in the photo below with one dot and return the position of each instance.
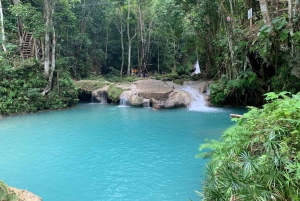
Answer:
(129, 39)
(295, 13)
(264, 11)
(47, 15)
(141, 32)
(2, 27)
(174, 67)
(51, 26)
(290, 24)
(123, 51)
(120, 29)
(106, 43)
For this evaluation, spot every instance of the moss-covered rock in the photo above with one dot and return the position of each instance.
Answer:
(114, 93)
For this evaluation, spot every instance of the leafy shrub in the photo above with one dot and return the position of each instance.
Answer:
(21, 89)
(259, 157)
(247, 89)
(6, 194)
(114, 93)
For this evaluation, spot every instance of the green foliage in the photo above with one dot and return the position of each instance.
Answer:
(114, 93)
(6, 194)
(21, 91)
(31, 18)
(246, 90)
(259, 157)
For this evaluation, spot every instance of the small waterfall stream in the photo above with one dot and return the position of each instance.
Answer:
(198, 104)
(123, 102)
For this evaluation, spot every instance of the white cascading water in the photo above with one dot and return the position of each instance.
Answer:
(198, 104)
(197, 66)
(123, 102)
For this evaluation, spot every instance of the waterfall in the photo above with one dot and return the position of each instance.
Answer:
(198, 104)
(99, 97)
(197, 71)
(123, 102)
(94, 99)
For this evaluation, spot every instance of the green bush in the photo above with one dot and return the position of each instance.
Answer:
(21, 90)
(114, 93)
(259, 157)
(6, 194)
(247, 89)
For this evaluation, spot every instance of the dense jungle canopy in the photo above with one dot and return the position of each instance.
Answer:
(88, 38)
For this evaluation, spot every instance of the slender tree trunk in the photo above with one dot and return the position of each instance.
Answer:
(148, 52)
(122, 44)
(232, 16)
(141, 30)
(265, 13)
(129, 39)
(295, 13)
(120, 29)
(51, 26)
(47, 38)
(290, 24)
(174, 67)
(106, 43)
(158, 61)
(2, 27)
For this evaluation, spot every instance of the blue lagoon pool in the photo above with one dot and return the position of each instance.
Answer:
(99, 152)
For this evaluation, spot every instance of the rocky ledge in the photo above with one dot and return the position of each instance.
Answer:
(24, 195)
(155, 93)
(9, 193)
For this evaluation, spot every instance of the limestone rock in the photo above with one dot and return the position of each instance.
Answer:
(100, 95)
(178, 98)
(25, 195)
(146, 102)
(136, 100)
(156, 89)
(157, 104)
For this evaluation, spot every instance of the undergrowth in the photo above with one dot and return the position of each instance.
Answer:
(259, 157)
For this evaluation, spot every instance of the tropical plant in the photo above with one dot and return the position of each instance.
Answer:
(6, 194)
(259, 157)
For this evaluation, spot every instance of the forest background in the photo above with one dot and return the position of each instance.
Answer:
(49, 43)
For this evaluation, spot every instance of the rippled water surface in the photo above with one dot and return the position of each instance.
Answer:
(103, 152)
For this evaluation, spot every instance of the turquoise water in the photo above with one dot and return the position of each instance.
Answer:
(99, 152)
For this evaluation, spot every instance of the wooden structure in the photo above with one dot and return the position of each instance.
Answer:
(29, 47)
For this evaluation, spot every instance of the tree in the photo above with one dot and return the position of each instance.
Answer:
(119, 26)
(129, 37)
(49, 30)
(2, 27)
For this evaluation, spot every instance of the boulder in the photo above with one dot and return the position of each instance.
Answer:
(178, 98)
(156, 89)
(100, 96)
